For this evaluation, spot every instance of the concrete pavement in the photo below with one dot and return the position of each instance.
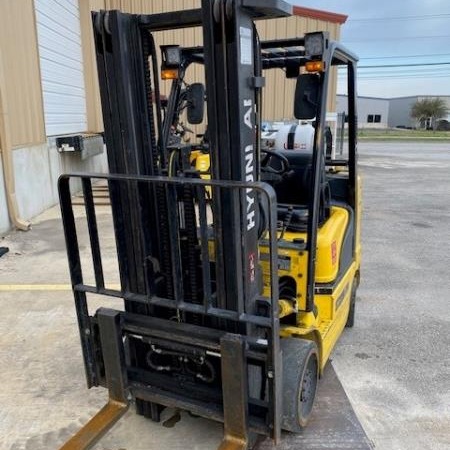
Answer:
(394, 365)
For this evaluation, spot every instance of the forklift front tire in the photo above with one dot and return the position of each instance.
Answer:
(300, 377)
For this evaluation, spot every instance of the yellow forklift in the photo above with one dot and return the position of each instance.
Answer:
(234, 289)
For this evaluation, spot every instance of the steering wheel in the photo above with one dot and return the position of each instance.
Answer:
(267, 168)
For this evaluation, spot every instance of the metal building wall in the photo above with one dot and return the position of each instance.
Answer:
(277, 105)
(62, 68)
(399, 111)
(366, 106)
(21, 86)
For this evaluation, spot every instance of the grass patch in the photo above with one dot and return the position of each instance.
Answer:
(399, 133)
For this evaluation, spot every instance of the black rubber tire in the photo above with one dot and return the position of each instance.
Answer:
(300, 378)
(351, 312)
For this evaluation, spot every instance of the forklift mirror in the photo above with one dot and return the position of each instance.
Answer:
(196, 103)
(307, 96)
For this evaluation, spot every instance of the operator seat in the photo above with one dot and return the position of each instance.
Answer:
(294, 191)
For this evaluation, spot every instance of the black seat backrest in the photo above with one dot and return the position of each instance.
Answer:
(294, 189)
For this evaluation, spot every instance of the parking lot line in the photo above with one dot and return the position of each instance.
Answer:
(43, 287)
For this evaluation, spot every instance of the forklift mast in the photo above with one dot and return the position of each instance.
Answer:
(229, 49)
(127, 63)
(181, 299)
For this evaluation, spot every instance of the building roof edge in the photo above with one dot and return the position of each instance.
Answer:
(320, 14)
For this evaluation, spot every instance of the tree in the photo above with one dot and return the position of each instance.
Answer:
(429, 109)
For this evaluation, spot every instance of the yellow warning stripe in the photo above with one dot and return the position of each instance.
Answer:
(42, 287)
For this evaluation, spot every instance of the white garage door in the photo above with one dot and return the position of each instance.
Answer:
(59, 38)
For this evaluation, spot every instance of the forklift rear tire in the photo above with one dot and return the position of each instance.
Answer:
(300, 377)
(351, 312)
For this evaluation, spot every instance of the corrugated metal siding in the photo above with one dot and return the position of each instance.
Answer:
(93, 105)
(22, 88)
(61, 60)
(280, 105)
(276, 106)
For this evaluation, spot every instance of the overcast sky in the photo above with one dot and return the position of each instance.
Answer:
(378, 33)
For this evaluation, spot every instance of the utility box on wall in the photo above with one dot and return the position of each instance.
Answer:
(86, 145)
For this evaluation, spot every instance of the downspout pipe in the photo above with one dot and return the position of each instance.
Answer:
(7, 160)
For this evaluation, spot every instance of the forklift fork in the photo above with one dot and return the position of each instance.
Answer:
(97, 427)
(113, 356)
(234, 388)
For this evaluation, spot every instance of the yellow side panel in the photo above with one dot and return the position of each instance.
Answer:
(325, 306)
(329, 245)
(292, 263)
(358, 220)
(330, 331)
(331, 318)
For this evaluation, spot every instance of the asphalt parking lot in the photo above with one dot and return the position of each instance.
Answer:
(394, 364)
